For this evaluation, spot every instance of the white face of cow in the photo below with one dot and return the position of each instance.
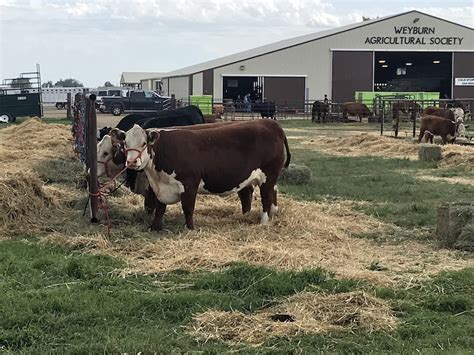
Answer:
(105, 164)
(136, 148)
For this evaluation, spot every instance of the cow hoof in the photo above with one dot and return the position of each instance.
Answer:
(265, 218)
(273, 210)
(155, 228)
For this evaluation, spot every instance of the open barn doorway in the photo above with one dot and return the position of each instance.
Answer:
(413, 71)
(236, 87)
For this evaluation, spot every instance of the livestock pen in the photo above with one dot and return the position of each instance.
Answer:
(350, 264)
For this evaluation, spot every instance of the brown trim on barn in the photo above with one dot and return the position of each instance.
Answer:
(285, 91)
(208, 82)
(351, 71)
(463, 68)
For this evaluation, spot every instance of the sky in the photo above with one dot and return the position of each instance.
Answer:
(95, 41)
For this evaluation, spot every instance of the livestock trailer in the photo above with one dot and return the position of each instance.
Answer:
(21, 96)
(58, 95)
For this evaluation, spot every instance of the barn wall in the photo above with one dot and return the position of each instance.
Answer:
(463, 67)
(179, 86)
(197, 84)
(314, 59)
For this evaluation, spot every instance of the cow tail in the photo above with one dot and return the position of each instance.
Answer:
(288, 154)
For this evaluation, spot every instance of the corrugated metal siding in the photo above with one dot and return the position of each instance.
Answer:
(197, 84)
(179, 87)
(463, 68)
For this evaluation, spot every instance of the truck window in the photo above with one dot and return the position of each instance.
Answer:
(114, 92)
(149, 94)
(137, 95)
(102, 93)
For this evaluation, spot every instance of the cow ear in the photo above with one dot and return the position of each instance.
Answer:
(152, 136)
(116, 149)
(117, 134)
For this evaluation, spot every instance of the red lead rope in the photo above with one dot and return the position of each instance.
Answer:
(102, 195)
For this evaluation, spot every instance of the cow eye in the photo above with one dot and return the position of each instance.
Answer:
(105, 154)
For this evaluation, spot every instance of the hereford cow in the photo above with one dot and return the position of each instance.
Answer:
(181, 163)
(440, 112)
(437, 126)
(319, 108)
(355, 109)
(183, 116)
(111, 161)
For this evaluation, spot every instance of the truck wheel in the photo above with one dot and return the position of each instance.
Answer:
(7, 118)
(59, 105)
(116, 110)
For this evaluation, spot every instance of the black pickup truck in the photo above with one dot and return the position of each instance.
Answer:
(134, 101)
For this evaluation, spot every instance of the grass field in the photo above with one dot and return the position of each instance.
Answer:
(80, 298)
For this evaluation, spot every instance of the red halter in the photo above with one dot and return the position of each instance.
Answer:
(140, 152)
(106, 165)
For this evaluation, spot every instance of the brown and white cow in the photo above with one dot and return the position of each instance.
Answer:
(440, 112)
(180, 164)
(111, 161)
(437, 126)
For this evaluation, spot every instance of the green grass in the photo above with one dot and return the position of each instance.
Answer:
(59, 300)
(389, 185)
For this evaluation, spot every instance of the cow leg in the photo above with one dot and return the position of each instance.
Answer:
(445, 139)
(188, 201)
(160, 209)
(267, 191)
(245, 196)
(422, 134)
(319, 117)
(150, 201)
(274, 206)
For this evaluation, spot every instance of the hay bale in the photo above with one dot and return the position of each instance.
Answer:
(296, 175)
(21, 195)
(310, 313)
(429, 152)
(455, 227)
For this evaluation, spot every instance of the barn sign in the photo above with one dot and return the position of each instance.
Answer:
(422, 37)
(464, 81)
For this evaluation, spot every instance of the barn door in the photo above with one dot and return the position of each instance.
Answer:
(285, 91)
(351, 71)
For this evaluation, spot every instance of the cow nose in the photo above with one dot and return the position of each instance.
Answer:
(132, 163)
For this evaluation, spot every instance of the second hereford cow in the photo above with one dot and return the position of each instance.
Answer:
(180, 164)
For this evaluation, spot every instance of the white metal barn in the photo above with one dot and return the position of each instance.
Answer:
(412, 51)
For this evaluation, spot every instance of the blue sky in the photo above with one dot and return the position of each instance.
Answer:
(95, 40)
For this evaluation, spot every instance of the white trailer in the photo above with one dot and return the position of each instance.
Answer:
(58, 95)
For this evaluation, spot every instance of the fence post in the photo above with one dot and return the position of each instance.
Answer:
(173, 101)
(383, 117)
(68, 106)
(92, 154)
(413, 117)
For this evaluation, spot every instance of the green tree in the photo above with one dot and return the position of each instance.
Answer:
(108, 84)
(69, 83)
(48, 84)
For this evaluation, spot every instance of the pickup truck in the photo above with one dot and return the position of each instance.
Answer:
(134, 101)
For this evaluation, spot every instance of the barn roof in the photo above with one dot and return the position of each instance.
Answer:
(287, 43)
(136, 77)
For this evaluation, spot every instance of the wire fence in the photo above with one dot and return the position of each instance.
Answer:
(376, 110)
